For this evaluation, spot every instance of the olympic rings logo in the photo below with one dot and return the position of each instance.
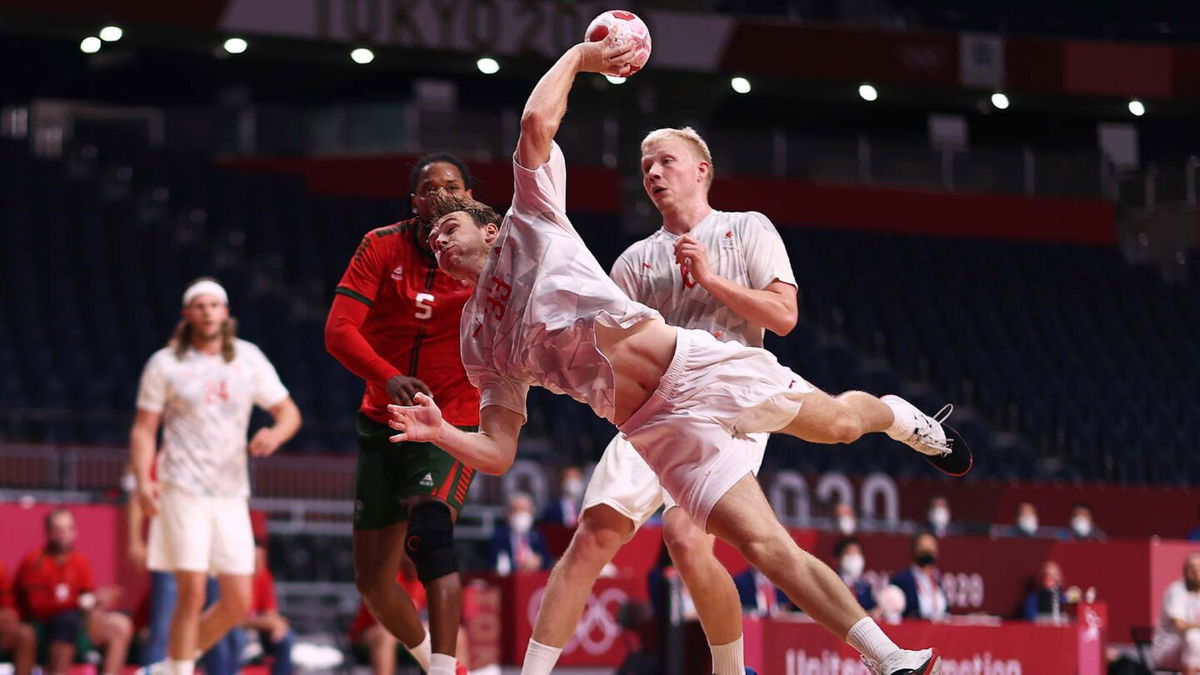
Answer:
(598, 628)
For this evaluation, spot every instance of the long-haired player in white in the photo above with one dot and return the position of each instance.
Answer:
(721, 272)
(544, 313)
(201, 389)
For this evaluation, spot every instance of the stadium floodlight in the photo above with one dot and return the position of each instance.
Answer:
(236, 45)
(111, 33)
(488, 66)
(1000, 101)
(740, 84)
(867, 92)
(615, 79)
(90, 45)
(1136, 107)
(362, 55)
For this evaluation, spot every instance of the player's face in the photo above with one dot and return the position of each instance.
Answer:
(671, 174)
(460, 245)
(435, 176)
(61, 532)
(206, 314)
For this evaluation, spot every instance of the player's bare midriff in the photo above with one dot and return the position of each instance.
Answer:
(640, 356)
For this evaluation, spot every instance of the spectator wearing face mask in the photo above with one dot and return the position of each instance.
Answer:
(1026, 524)
(850, 564)
(1047, 599)
(1081, 526)
(565, 510)
(922, 582)
(845, 520)
(516, 546)
(937, 518)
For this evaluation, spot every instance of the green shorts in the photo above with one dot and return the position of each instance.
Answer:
(389, 473)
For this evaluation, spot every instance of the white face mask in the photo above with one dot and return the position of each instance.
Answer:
(573, 488)
(939, 516)
(847, 525)
(1028, 524)
(852, 565)
(1082, 525)
(520, 522)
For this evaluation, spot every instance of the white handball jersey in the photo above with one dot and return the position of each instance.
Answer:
(531, 320)
(743, 247)
(205, 405)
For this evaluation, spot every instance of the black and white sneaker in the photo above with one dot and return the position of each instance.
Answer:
(941, 444)
(904, 662)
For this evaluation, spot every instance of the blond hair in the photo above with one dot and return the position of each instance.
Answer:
(693, 140)
(181, 337)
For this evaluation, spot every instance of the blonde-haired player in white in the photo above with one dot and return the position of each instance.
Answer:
(201, 389)
(721, 272)
(544, 313)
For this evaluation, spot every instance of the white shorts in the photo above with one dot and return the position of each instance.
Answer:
(625, 482)
(194, 533)
(693, 431)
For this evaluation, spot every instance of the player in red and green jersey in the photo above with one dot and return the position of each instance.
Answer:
(395, 323)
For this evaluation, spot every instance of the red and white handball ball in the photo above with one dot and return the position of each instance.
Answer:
(624, 26)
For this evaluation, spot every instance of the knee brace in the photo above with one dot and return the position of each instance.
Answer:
(430, 541)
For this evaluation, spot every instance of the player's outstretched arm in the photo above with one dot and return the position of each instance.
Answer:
(548, 103)
(490, 450)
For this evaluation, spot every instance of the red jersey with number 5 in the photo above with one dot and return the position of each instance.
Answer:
(413, 320)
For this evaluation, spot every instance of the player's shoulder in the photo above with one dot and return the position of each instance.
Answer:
(246, 349)
(397, 234)
(743, 220)
(160, 358)
(31, 556)
(640, 248)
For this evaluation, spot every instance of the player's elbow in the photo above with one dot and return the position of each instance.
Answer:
(784, 323)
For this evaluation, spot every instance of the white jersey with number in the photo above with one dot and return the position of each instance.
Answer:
(533, 315)
(743, 247)
(205, 405)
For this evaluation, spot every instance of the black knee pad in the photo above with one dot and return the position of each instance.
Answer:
(430, 541)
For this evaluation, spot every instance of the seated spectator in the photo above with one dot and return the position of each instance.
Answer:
(922, 582)
(845, 520)
(758, 595)
(16, 639)
(937, 518)
(848, 560)
(55, 591)
(516, 546)
(1026, 524)
(1082, 526)
(274, 633)
(378, 647)
(1047, 599)
(1177, 636)
(565, 510)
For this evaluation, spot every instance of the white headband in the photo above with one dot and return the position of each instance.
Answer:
(205, 287)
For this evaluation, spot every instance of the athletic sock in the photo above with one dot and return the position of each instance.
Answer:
(728, 659)
(181, 667)
(422, 652)
(902, 418)
(442, 664)
(540, 658)
(870, 640)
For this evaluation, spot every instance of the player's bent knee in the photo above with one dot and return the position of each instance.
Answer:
(846, 428)
(430, 541)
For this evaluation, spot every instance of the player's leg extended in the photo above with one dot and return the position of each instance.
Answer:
(430, 543)
(743, 518)
(185, 620)
(227, 611)
(712, 589)
(841, 419)
(600, 534)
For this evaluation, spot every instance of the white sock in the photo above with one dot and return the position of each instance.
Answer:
(870, 640)
(539, 658)
(728, 659)
(902, 418)
(181, 667)
(421, 652)
(442, 664)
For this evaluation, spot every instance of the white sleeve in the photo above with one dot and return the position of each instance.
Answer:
(624, 276)
(1175, 604)
(268, 388)
(766, 256)
(541, 189)
(152, 390)
(496, 389)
